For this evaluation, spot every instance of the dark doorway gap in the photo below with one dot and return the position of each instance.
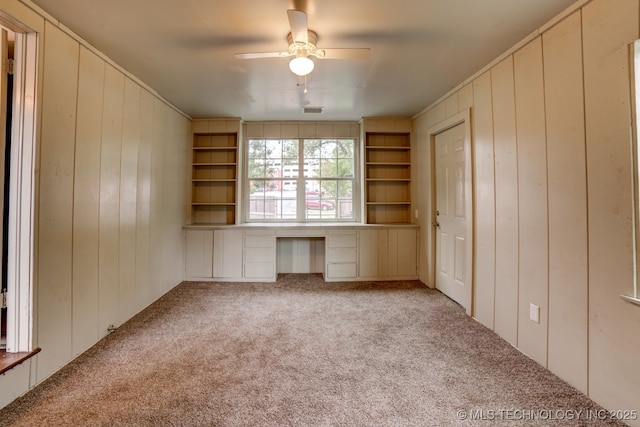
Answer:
(5, 213)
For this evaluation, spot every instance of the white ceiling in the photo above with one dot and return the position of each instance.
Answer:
(420, 49)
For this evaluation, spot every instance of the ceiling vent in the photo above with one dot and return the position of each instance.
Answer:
(312, 110)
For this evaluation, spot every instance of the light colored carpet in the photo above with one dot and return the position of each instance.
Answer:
(301, 352)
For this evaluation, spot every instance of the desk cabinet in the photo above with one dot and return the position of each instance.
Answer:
(250, 253)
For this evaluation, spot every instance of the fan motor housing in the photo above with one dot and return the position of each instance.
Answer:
(308, 48)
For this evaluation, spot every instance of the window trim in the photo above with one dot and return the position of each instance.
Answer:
(300, 196)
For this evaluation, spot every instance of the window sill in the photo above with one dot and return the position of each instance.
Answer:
(9, 361)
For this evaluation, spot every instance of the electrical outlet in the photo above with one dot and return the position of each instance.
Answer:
(416, 213)
(534, 312)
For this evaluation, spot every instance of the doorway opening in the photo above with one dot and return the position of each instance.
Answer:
(7, 39)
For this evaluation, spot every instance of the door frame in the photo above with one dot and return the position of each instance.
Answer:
(464, 118)
(22, 188)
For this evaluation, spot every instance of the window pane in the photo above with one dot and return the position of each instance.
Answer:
(345, 158)
(256, 188)
(287, 205)
(312, 188)
(272, 199)
(256, 168)
(290, 168)
(257, 207)
(274, 149)
(257, 149)
(312, 148)
(290, 149)
(345, 200)
(329, 158)
(256, 159)
(329, 199)
(318, 201)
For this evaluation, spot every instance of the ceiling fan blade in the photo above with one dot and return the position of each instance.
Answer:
(258, 55)
(348, 53)
(298, 24)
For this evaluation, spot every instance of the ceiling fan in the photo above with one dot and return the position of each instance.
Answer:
(303, 44)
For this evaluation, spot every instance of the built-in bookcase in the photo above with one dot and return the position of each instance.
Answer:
(214, 178)
(388, 177)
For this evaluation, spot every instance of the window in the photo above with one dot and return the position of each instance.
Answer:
(301, 179)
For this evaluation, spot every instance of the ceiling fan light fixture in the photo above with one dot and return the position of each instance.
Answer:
(301, 66)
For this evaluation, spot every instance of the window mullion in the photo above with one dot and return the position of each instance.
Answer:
(300, 206)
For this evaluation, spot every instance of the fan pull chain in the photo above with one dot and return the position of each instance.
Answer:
(298, 83)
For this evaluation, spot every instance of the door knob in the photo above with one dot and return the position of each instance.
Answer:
(436, 224)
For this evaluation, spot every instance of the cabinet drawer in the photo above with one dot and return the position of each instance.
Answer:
(259, 240)
(341, 255)
(342, 241)
(259, 255)
(341, 270)
(255, 270)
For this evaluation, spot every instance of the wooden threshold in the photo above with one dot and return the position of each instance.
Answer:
(11, 360)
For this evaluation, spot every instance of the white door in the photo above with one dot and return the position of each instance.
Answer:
(451, 215)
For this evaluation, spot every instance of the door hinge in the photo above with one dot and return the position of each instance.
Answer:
(3, 299)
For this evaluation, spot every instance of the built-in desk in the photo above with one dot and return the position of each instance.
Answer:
(248, 252)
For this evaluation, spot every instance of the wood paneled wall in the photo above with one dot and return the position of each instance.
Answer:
(552, 198)
(112, 173)
(112, 156)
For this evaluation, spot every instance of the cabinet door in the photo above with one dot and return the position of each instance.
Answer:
(227, 253)
(384, 263)
(407, 252)
(199, 253)
(368, 253)
(401, 253)
(387, 253)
